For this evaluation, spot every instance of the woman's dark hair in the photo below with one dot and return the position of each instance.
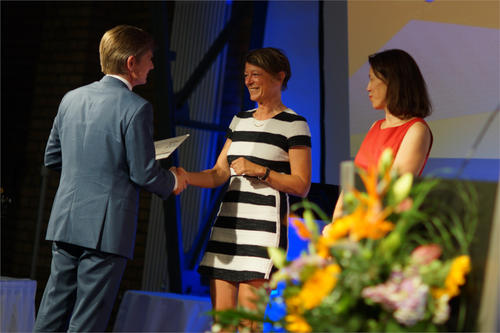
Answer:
(407, 95)
(272, 60)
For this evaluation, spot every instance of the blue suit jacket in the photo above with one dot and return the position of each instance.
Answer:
(102, 142)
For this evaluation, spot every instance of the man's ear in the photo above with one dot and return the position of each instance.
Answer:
(131, 61)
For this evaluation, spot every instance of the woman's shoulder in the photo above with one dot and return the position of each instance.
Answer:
(245, 113)
(288, 110)
(418, 130)
(376, 124)
(418, 124)
(421, 122)
(289, 115)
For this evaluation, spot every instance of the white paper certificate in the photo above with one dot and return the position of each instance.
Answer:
(164, 148)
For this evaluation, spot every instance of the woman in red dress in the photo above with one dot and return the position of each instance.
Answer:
(396, 86)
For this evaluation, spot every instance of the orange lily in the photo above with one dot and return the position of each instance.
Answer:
(300, 227)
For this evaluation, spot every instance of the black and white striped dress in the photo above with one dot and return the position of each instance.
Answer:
(253, 215)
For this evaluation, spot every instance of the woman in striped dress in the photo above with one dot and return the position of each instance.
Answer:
(267, 155)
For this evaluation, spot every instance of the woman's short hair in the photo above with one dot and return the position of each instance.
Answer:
(407, 95)
(120, 42)
(272, 60)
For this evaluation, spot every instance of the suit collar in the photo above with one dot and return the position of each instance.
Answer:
(114, 81)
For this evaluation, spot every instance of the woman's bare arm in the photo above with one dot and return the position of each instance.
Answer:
(214, 177)
(413, 150)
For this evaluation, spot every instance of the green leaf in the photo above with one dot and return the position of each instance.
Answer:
(389, 245)
(434, 273)
(278, 256)
(310, 222)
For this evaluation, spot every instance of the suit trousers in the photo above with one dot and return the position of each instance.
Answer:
(81, 290)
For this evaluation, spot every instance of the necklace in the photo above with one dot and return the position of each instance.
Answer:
(258, 123)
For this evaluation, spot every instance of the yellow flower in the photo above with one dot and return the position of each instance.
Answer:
(364, 222)
(333, 232)
(294, 304)
(369, 179)
(455, 278)
(371, 223)
(459, 268)
(323, 247)
(318, 286)
(338, 228)
(296, 323)
(368, 219)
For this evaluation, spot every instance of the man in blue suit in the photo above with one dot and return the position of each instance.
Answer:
(102, 142)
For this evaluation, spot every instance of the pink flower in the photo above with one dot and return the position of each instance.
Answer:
(404, 205)
(424, 254)
(411, 308)
(296, 267)
(405, 296)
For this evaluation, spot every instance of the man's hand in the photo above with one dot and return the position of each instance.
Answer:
(182, 179)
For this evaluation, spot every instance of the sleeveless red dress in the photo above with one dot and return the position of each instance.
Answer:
(377, 139)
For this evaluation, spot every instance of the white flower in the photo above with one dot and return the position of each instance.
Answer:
(442, 312)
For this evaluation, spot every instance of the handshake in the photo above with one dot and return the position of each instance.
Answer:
(182, 179)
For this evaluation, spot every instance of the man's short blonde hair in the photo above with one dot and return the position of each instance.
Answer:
(120, 42)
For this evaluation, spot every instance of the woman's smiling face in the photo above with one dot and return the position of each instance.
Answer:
(261, 85)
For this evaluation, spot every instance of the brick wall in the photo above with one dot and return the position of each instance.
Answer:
(48, 49)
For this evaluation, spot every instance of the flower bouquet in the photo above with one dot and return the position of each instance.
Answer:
(393, 262)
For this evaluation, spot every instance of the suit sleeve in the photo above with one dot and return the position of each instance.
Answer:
(145, 171)
(53, 158)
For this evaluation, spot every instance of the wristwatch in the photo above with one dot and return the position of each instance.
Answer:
(265, 175)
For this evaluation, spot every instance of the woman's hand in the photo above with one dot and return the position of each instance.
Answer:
(297, 183)
(243, 167)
